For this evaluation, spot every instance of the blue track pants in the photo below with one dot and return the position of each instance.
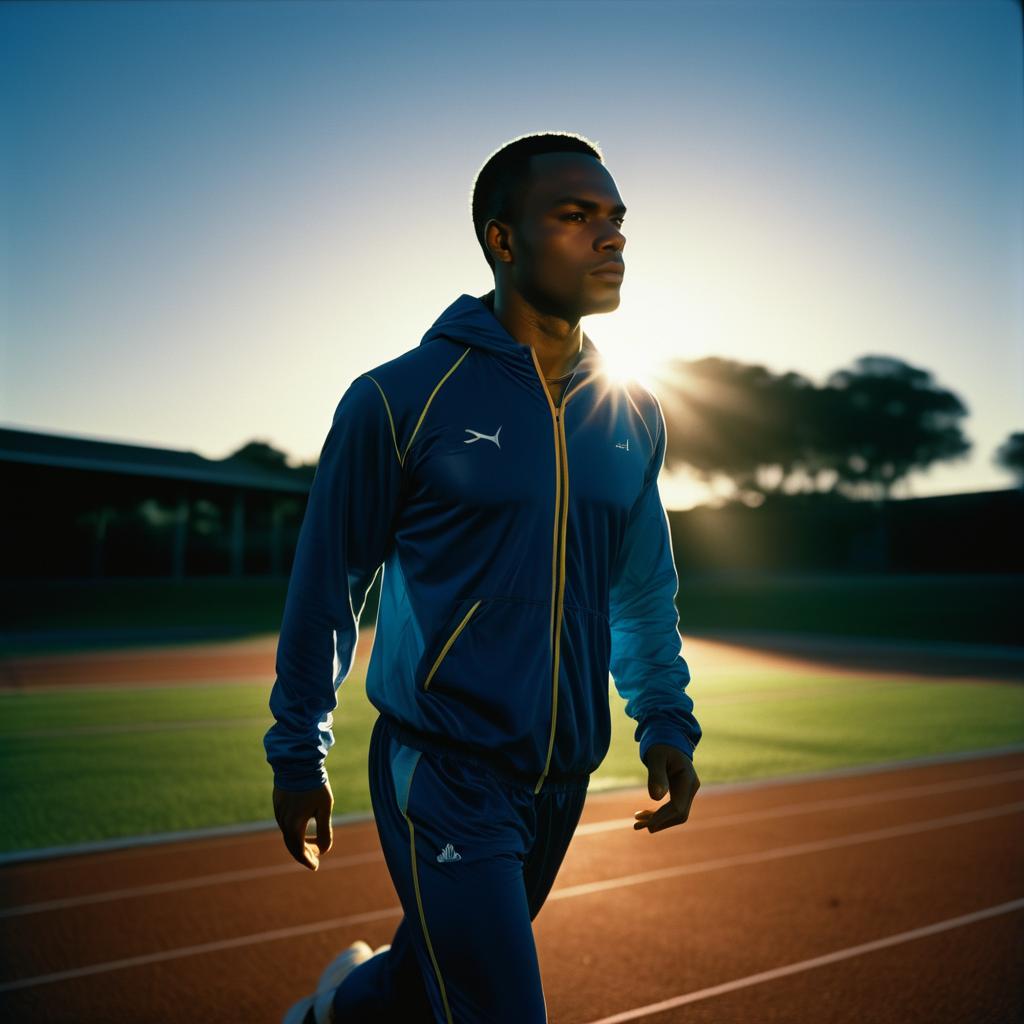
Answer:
(473, 854)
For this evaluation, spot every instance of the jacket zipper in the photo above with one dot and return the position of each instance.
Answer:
(558, 550)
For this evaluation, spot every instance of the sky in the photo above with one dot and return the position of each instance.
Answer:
(216, 215)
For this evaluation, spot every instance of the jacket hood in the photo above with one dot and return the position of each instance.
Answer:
(470, 320)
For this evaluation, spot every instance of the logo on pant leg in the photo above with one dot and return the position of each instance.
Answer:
(448, 855)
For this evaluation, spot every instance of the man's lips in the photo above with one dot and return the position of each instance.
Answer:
(610, 271)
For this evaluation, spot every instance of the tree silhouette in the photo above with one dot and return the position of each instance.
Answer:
(884, 418)
(729, 418)
(1010, 455)
(259, 453)
(869, 425)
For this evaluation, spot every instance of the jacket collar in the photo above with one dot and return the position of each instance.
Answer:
(470, 320)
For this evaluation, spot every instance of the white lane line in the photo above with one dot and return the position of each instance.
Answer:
(567, 892)
(598, 795)
(157, 888)
(779, 852)
(813, 806)
(221, 835)
(205, 947)
(593, 828)
(159, 844)
(817, 961)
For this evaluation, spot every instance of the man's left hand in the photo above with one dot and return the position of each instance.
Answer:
(668, 771)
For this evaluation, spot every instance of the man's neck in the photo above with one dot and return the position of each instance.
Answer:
(558, 344)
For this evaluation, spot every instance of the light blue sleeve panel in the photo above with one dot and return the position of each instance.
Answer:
(647, 665)
(344, 538)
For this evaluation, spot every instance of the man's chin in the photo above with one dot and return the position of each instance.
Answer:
(602, 303)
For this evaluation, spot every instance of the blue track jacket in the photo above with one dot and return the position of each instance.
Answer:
(526, 554)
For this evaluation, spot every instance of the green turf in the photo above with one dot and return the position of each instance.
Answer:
(93, 764)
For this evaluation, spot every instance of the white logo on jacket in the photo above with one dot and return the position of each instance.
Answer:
(483, 437)
(448, 854)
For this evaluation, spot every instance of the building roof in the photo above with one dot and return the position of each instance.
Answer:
(66, 452)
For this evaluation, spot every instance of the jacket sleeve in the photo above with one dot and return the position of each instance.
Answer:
(647, 665)
(345, 536)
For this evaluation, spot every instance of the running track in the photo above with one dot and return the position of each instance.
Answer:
(886, 896)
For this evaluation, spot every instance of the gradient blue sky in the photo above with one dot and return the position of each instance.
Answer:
(216, 215)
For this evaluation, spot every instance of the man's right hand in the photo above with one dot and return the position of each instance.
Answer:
(293, 811)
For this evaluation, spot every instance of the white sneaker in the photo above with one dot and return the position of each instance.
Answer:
(319, 1007)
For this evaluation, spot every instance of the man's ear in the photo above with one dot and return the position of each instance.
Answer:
(497, 238)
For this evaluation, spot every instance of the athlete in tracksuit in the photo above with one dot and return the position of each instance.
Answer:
(526, 553)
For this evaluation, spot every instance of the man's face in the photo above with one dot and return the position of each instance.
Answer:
(570, 224)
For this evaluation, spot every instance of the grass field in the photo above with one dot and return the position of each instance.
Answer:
(97, 764)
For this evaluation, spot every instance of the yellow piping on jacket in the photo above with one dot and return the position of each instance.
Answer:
(450, 641)
(402, 456)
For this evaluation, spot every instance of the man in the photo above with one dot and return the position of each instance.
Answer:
(509, 487)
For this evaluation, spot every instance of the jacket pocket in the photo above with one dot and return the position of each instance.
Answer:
(453, 636)
(486, 680)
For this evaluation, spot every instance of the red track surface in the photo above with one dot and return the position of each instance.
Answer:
(741, 897)
(231, 929)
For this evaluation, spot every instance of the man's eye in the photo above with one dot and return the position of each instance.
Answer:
(576, 213)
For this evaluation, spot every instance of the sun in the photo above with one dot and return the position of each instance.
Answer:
(625, 363)
(640, 339)
(632, 354)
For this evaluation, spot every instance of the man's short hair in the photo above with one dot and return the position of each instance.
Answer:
(502, 182)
